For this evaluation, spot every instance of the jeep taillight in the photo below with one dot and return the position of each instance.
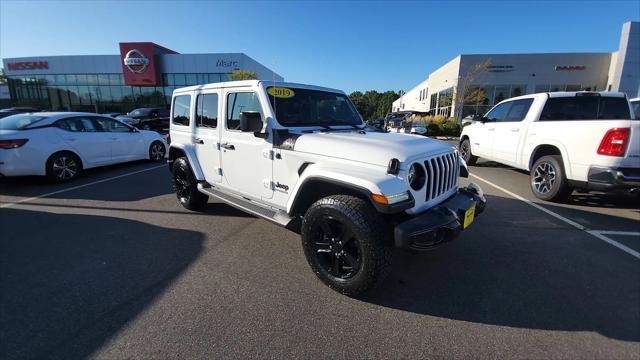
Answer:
(614, 142)
(12, 143)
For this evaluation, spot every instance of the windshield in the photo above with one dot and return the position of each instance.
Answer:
(303, 107)
(18, 122)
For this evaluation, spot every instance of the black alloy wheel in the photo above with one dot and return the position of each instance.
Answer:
(347, 243)
(336, 249)
(186, 187)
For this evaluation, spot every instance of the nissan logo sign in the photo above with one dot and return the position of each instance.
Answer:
(136, 61)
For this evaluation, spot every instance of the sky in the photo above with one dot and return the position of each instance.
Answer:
(346, 45)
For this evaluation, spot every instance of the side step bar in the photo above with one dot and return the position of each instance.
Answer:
(274, 215)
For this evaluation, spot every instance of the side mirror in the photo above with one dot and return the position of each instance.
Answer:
(250, 121)
(133, 129)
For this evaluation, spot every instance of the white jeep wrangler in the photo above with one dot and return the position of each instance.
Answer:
(300, 156)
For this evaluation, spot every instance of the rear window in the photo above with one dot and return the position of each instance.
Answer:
(18, 122)
(585, 108)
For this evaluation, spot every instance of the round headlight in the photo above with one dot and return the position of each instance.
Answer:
(416, 176)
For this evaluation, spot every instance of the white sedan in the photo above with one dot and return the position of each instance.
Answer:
(60, 145)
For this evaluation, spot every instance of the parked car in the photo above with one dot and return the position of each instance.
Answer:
(565, 140)
(113, 114)
(16, 110)
(414, 128)
(60, 145)
(301, 157)
(156, 119)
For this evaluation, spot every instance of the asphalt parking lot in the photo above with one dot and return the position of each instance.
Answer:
(111, 266)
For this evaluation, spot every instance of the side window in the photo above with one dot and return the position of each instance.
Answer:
(570, 108)
(88, 125)
(499, 112)
(63, 124)
(181, 110)
(518, 110)
(239, 102)
(110, 125)
(77, 124)
(207, 110)
(613, 108)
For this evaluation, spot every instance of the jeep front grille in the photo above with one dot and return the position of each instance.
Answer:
(442, 174)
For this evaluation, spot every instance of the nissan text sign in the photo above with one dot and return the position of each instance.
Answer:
(28, 65)
(138, 64)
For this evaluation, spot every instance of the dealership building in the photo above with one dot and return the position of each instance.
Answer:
(143, 75)
(491, 78)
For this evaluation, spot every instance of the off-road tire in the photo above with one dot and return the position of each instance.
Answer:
(186, 186)
(559, 189)
(370, 236)
(465, 152)
(63, 158)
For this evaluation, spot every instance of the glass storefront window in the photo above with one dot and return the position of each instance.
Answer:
(553, 88)
(542, 88)
(115, 79)
(82, 79)
(517, 90)
(103, 93)
(179, 80)
(71, 80)
(192, 79)
(103, 79)
(573, 87)
(213, 78)
(92, 79)
(167, 79)
(502, 92)
(202, 78)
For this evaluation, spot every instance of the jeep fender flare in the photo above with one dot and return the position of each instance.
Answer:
(189, 153)
(362, 181)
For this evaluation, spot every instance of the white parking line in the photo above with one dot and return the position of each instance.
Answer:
(78, 187)
(596, 233)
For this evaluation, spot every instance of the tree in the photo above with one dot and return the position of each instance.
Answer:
(372, 104)
(243, 75)
(469, 89)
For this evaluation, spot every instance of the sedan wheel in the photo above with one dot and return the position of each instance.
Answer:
(156, 151)
(63, 167)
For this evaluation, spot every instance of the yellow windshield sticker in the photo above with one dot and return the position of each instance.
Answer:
(280, 92)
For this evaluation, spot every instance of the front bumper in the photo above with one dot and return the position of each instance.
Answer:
(608, 178)
(441, 223)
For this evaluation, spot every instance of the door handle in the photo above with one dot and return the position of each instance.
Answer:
(71, 139)
(228, 146)
(199, 141)
(492, 129)
(515, 129)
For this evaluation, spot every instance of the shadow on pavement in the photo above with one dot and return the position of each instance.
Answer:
(143, 185)
(539, 274)
(65, 290)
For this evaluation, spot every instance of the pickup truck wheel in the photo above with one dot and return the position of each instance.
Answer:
(548, 180)
(185, 186)
(465, 152)
(344, 241)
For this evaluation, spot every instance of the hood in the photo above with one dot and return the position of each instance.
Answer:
(371, 147)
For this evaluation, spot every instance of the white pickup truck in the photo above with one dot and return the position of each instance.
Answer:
(566, 140)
